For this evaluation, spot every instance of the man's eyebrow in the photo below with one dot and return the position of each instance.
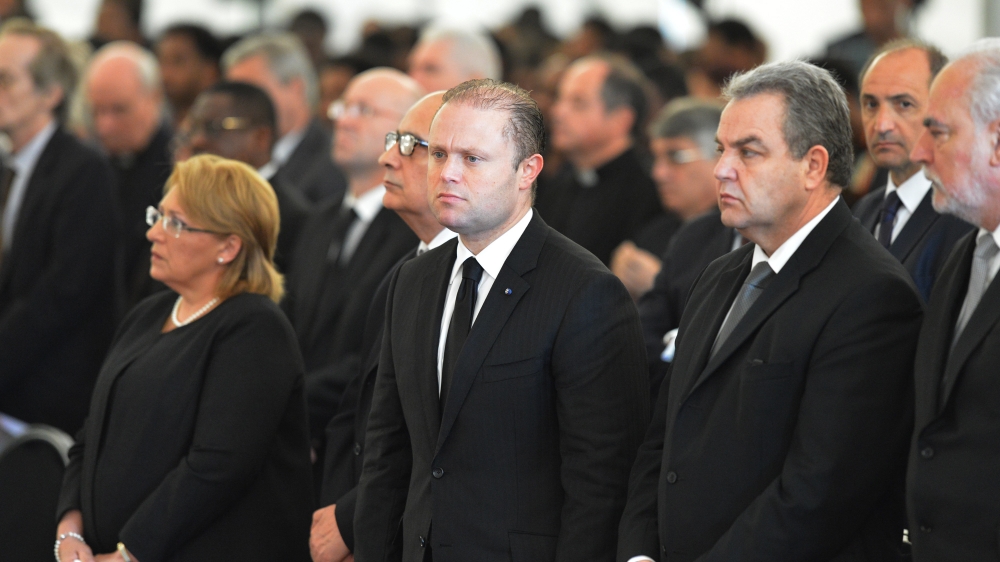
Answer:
(932, 122)
(743, 141)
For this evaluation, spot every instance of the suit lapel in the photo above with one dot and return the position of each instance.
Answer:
(918, 224)
(311, 287)
(785, 284)
(983, 319)
(492, 319)
(869, 215)
(433, 284)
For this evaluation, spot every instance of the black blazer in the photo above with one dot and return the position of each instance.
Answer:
(529, 458)
(328, 303)
(196, 446)
(58, 286)
(345, 434)
(790, 443)
(924, 243)
(953, 491)
(602, 216)
(694, 246)
(310, 170)
(293, 210)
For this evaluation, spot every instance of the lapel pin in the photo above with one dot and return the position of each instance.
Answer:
(507, 291)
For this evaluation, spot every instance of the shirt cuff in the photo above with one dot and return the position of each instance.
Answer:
(641, 558)
(668, 352)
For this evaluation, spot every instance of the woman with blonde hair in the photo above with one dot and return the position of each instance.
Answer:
(196, 445)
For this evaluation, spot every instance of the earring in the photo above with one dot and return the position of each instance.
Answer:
(220, 261)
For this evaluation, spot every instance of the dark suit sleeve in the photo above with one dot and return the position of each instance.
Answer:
(602, 404)
(388, 460)
(80, 264)
(250, 378)
(850, 439)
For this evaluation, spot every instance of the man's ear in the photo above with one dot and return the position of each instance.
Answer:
(622, 119)
(528, 170)
(993, 134)
(52, 97)
(816, 162)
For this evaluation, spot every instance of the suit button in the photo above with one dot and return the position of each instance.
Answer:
(437, 472)
(671, 477)
(927, 452)
(357, 449)
(423, 542)
(925, 529)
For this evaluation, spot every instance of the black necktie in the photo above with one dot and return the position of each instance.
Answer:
(461, 323)
(887, 218)
(760, 276)
(342, 224)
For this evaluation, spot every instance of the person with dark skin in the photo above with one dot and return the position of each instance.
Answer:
(189, 63)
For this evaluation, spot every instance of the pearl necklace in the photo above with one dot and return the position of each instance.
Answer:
(193, 317)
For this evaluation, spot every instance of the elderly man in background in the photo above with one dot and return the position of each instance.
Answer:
(604, 196)
(444, 58)
(124, 96)
(189, 63)
(405, 161)
(280, 65)
(782, 431)
(894, 89)
(349, 245)
(58, 238)
(953, 495)
(237, 120)
(682, 142)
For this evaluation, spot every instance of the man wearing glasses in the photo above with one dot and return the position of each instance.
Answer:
(348, 246)
(405, 161)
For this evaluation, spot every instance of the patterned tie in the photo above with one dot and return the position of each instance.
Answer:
(986, 250)
(887, 218)
(461, 323)
(758, 280)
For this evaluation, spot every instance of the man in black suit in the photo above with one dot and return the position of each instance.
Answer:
(58, 234)
(511, 392)
(280, 65)
(349, 245)
(604, 195)
(125, 101)
(894, 89)
(781, 433)
(953, 494)
(332, 537)
(237, 120)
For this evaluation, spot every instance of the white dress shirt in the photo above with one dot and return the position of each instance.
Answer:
(994, 264)
(442, 237)
(366, 207)
(911, 193)
(23, 164)
(286, 145)
(492, 259)
(777, 260)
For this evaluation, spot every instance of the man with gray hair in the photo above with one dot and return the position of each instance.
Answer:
(124, 98)
(781, 433)
(953, 494)
(279, 64)
(444, 58)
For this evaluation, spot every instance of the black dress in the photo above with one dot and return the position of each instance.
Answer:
(196, 445)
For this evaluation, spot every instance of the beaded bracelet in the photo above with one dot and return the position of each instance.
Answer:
(63, 537)
(124, 553)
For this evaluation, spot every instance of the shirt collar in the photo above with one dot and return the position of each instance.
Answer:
(912, 191)
(492, 257)
(368, 205)
(995, 233)
(441, 237)
(267, 171)
(24, 161)
(780, 257)
(286, 145)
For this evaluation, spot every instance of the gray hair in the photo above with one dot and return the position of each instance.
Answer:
(476, 53)
(691, 118)
(286, 57)
(146, 66)
(52, 66)
(816, 110)
(984, 91)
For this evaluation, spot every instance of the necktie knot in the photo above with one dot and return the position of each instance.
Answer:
(986, 248)
(887, 218)
(472, 270)
(760, 275)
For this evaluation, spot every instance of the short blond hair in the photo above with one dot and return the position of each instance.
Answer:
(228, 196)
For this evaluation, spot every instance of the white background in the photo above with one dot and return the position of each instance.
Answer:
(792, 28)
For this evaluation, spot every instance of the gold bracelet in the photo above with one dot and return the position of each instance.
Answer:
(124, 553)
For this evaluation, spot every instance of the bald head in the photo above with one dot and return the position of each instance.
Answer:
(406, 175)
(372, 105)
(124, 97)
(444, 58)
